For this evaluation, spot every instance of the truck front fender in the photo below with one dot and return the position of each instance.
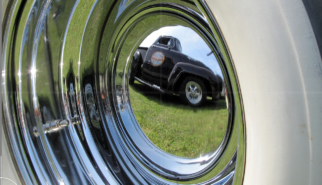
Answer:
(181, 70)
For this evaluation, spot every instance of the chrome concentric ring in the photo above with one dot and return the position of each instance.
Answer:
(69, 62)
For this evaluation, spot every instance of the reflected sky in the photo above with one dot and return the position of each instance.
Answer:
(192, 44)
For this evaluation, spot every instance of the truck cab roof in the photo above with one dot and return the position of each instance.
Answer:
(163, 41)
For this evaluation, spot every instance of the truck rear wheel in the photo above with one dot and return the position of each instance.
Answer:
(131, 78)
(193, 91)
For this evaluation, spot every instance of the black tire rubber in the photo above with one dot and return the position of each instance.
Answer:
(182, 91)
(137, 60)
(133, 71)
(131, 79)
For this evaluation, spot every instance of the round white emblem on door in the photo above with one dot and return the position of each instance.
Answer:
(157, 58)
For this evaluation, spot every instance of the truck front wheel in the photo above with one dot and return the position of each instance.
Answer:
(193, 91)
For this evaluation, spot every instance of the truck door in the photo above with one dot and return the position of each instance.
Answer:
(158, 63)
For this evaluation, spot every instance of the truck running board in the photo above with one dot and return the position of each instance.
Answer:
(148, 84)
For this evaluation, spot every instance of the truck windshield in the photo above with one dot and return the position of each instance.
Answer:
(178, 45)
(164, 40)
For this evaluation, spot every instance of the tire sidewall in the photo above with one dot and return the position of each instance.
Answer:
(277, 61)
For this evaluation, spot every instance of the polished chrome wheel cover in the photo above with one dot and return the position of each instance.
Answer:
(193, 92)
(66, 99)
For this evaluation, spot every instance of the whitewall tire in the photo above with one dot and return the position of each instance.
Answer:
(279, 68)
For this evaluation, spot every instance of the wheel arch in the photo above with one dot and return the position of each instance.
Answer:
(184, 75)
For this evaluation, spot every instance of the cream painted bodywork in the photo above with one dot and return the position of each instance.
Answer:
(279, 68)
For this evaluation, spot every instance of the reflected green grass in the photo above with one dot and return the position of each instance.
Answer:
(175, 127)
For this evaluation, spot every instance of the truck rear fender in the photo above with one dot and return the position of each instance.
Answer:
(138, 60)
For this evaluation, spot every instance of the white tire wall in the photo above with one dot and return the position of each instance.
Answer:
(279, 68)
(8, 172)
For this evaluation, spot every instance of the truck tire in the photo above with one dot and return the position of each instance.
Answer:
(135, 67)
(193, 91)
(274, 49)
(131, 78)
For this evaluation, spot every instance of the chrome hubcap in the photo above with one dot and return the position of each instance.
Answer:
(193, 92)
(67, 108)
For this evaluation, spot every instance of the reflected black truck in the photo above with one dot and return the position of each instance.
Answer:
(165, 68)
